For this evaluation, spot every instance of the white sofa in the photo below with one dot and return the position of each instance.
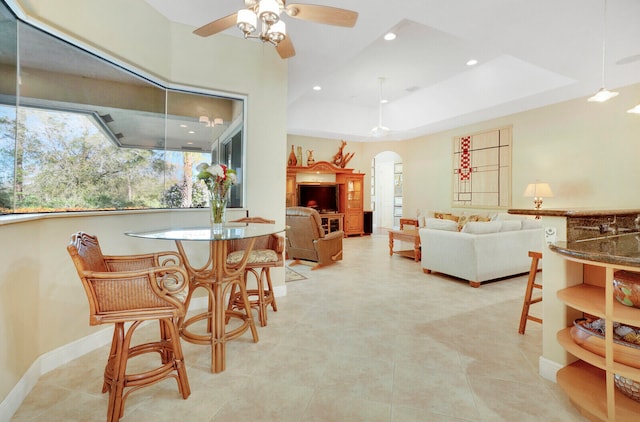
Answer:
(481, 251)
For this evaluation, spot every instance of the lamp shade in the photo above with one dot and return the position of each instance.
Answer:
(269, 11)
(538, 190)
(277, 32)
(246, 20)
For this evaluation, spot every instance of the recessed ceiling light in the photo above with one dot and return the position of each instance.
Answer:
(389, 36)
(317, 88)
(183, 125)
(472, 62)
(191, 131)
(189, 143)
(383, 101)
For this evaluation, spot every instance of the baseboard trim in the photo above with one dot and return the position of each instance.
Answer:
(548, 369)
(52, 360)
(48, 362)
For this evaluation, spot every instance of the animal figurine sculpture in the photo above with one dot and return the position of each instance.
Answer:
(341, 160)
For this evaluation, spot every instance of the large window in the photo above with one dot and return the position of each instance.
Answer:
(78, 132)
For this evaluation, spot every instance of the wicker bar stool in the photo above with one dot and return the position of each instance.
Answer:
(267, 253)
(528, 301)
(133, 289)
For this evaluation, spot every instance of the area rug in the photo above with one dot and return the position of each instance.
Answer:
(290, 275)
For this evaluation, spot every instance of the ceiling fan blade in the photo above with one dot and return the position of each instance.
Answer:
(217, 26)
(323, 14)
(285, 48)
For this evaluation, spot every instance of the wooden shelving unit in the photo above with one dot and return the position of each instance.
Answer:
(331, 222)
(351, 192)
(587, 388)
(589, 381)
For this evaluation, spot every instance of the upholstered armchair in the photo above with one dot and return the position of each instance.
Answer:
(307, 241)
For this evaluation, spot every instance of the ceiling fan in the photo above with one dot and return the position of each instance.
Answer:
(272, 27)
(380, 130)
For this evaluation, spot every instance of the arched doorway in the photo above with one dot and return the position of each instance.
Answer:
(386, 192)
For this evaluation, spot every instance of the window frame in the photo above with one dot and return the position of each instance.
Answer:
(237, 126)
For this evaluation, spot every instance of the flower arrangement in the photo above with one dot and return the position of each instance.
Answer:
(218, 178)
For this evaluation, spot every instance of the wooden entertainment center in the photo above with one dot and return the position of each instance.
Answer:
(350, 187)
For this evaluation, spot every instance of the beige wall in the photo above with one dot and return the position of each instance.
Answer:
(587, 152)
(42, 304)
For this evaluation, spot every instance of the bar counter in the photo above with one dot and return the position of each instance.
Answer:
(578, 238)
(573, 213)
(622, 249)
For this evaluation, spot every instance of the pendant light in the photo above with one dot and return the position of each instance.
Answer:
(380, 130)
(603, 93)
(634, 110)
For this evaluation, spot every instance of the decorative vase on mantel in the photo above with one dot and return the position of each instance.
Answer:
(218, 205)
(299, 156)
(310, 160)
(292, 158)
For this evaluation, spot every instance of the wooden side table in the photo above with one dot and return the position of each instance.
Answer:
(410, 235)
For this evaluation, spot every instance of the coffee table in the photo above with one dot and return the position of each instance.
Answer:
(410, 235)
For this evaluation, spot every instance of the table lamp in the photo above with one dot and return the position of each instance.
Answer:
(537, 191)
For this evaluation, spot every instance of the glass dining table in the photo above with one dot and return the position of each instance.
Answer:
(217, 278)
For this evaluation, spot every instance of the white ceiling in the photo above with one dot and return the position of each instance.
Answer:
(531, 53)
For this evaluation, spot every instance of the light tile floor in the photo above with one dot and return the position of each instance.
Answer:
(371, 338)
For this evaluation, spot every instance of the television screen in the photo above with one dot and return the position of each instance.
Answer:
(325, 197)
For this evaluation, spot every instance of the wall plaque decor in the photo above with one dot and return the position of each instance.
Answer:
(482, 169)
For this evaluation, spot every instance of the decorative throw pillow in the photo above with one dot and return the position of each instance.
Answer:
(450, 217)
(484, 227)
(464, 219)
(510, 225)
(441, 224)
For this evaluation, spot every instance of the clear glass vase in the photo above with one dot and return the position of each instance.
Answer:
(218, 205)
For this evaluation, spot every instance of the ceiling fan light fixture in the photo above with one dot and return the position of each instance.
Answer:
(379, 131)
(269, 11)
(602, 95)
(259, 20)
(277, 32)
(247, 21)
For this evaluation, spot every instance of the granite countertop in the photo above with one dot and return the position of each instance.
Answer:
(574, 212)
(622, 249)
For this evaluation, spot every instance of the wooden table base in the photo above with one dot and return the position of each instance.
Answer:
(217, 279)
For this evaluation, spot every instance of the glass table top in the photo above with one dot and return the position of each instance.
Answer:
(228, 231)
